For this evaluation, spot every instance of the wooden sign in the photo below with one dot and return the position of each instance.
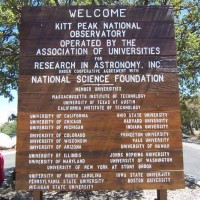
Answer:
(98, 99)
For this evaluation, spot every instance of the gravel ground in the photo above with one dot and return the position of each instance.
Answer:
(183, 194)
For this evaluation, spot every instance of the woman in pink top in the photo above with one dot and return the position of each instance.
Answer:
(1, 169)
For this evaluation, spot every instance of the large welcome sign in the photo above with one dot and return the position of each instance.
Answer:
(98, 99)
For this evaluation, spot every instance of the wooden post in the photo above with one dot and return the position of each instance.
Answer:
(161, 194)
(37, 195)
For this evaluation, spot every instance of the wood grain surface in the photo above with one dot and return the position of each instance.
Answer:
(98, 101)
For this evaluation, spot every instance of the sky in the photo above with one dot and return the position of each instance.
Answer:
(6, 108)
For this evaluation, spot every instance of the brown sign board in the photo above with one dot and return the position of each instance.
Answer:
(98, 99)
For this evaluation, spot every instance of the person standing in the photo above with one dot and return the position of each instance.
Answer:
(1, 169)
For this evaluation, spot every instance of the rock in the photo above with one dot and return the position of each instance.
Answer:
(5, 142)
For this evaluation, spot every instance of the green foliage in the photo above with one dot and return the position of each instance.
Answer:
(188, 47)
(191, 115)
(9, 128)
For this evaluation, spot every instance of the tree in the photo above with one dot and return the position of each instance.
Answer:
(9, 128)
(187, 28)
(191, 116)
